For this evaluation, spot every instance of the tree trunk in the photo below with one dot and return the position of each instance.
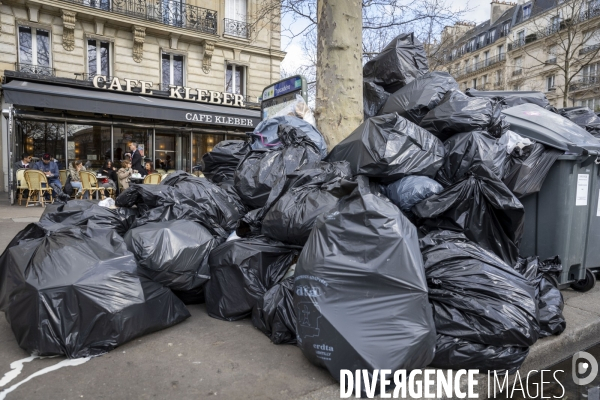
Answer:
(339, 102)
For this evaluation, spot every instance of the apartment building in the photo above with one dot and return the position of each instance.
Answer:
(81, 79)
(550, 46)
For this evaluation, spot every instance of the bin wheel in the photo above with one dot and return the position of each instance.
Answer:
(586, 284)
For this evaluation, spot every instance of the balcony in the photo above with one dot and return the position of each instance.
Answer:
(482, 64)
(35, 70)
(551, 61)
(587, 82)
(589, 49)
(498, 84)
(590, 13)
(516, 44)
(168, 12)
(239, 29)
(517, 72)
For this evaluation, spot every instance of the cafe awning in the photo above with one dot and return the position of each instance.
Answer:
(34, 94)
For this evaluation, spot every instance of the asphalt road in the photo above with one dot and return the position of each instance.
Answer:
(197, 359)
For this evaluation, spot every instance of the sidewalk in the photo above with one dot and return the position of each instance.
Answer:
(204, 357)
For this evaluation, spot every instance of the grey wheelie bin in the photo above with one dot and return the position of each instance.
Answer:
(557, 219)
(592, 252)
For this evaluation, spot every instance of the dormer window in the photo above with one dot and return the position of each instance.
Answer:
(526, 12)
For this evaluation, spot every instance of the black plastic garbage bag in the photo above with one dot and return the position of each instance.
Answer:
(458, 113)
(360, 293)
(374, 97)
(195, 199)
(409, 191)
(219, 164)
(146, 196)
(509, 99)
(543, 275)
(465, 150)
(78, 292)
(266, 134)
(420, 96)
(584, 117)
(305, 195)
(481, 207)
(456, 353)
(79, 212)
(241, 272)
(475, 295)
(388, 148)
(259, 171)
(274, 313)
(173, 253)
(526, 169)
(402, 61)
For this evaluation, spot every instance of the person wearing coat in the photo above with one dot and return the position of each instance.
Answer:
(124, 173)
(137, 159)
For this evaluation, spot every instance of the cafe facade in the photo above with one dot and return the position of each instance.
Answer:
(177, 93)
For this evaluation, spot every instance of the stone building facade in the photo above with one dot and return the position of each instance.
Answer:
(186, 46)
(525, 46)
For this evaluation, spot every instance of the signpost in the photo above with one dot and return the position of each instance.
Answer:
(281, 94)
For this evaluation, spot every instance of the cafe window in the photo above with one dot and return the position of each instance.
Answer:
(172, 70)
(88, 143)
(123, 136)
(235, 79)
(202, 144)
(38, 138)
(98, 57)
(34, 46)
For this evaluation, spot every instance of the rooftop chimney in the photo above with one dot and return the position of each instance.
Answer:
(498, 8)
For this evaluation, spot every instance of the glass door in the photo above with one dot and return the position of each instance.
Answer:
(172, 151)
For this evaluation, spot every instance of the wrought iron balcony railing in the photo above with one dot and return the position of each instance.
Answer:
(236, 28)
(483, 64)
(584, 83)
(37, 70)
(516, 44)
(551, 60)
(589, 49)
(169, 12)
(517, 72)
(498, 83)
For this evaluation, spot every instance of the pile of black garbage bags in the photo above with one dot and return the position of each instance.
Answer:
(396, 249)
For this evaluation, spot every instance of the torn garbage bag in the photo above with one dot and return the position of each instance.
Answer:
(241, 272)
(353, 276)
(409, 191)
(274, 313)
(266, 134)
(79, 212)
(475, 295)
(420, 96)
(219, 164)
(543, 275)
(481, 207)
(388, 148)
(374, 97)
(78, 292)
(305, 195)
(173, 253)
(259, 171)
(456, 353)
(526, 168)
(402, 61)
(584, 117)
(458, 113)
(465, 150)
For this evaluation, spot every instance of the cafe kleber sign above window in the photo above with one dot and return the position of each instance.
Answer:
(182, 93)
